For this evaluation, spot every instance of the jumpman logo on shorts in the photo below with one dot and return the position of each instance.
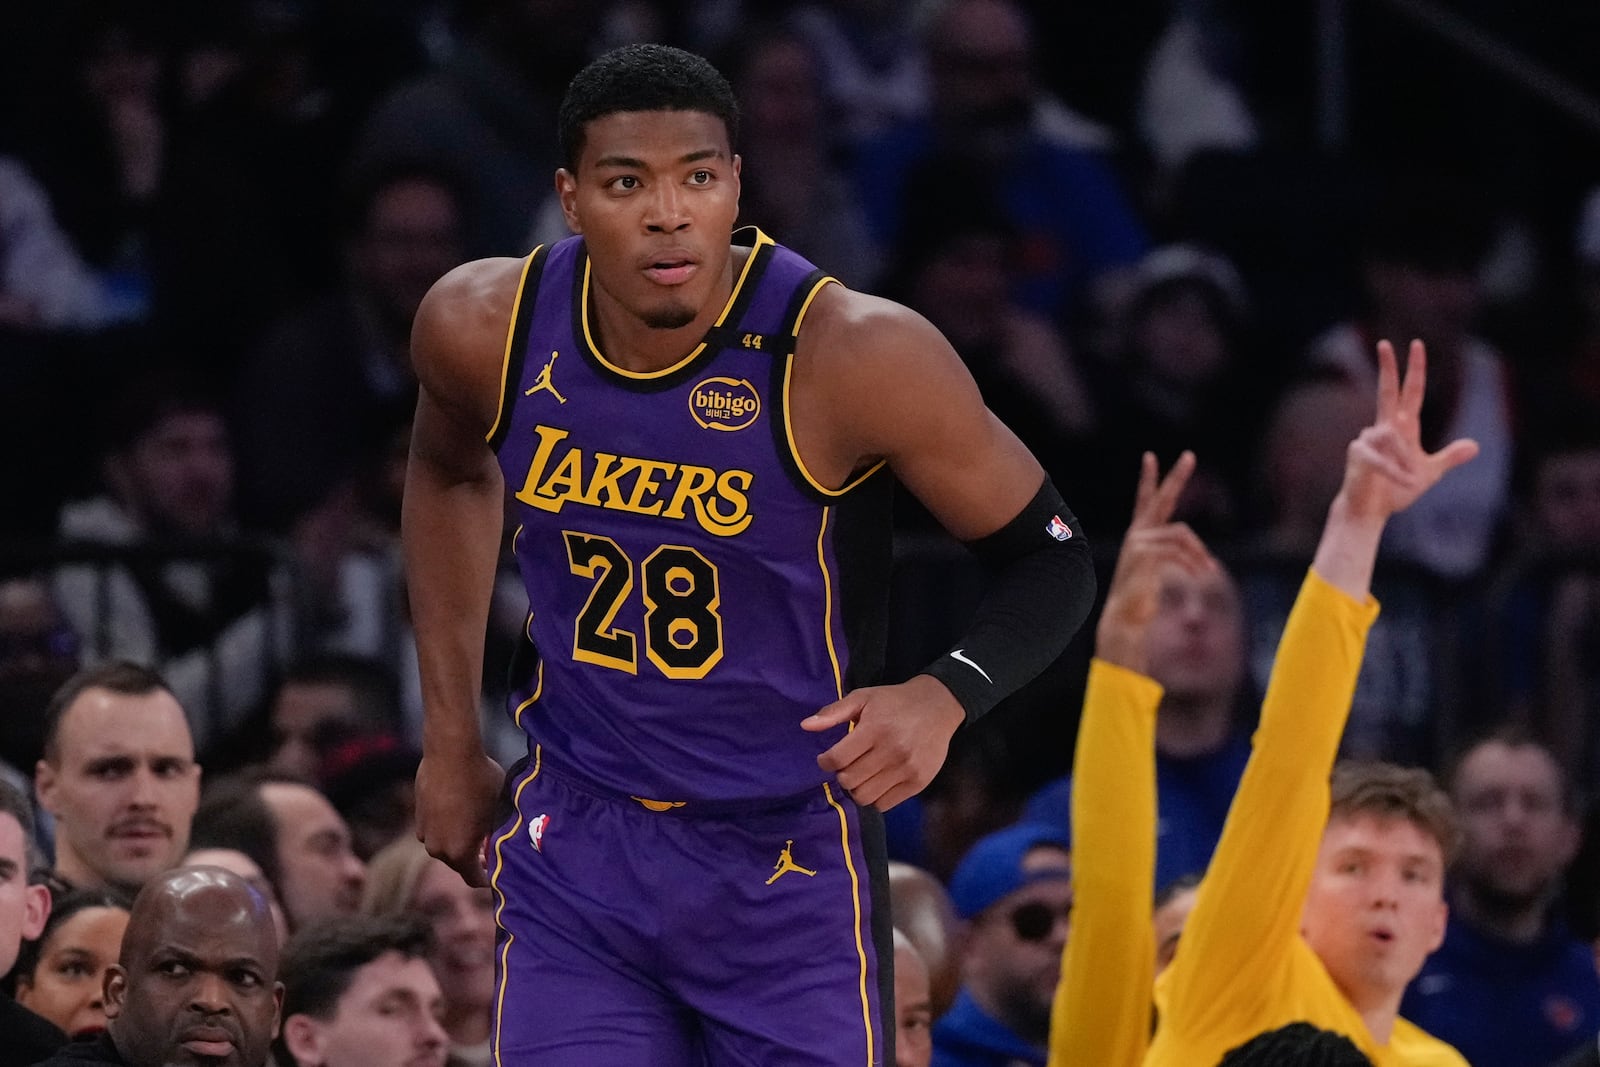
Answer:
(543, 384)
(786, 864)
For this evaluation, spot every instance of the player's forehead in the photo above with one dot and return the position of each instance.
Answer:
(101, 723)
(657, 139)
(1380, 836)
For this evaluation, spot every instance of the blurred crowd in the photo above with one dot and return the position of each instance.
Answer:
(218, 217)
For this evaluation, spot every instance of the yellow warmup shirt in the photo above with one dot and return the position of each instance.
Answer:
(1101, 1014)
(1242, 966)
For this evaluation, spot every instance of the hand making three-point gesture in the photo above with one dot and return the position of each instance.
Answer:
(1153, 544)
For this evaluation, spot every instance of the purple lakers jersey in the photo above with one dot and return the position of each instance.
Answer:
(693, 592)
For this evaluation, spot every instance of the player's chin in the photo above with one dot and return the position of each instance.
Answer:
(672, 315)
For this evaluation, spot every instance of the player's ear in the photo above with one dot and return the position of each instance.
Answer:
(567, 193)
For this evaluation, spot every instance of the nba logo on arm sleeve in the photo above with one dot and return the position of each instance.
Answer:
(1058, 529)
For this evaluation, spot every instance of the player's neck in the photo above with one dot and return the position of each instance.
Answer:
(1378, 1009)
(632, 344)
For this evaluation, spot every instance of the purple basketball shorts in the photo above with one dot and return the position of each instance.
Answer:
(684, 937)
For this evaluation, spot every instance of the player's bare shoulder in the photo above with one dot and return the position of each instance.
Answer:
(845, 329)
(459, 335)
(871, 376)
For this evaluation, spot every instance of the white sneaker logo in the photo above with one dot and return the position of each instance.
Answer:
(956, 655)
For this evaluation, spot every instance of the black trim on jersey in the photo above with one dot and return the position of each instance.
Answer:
(863, 549)
(780, 395)
(875, 847)
(752, 274)
(527, 298)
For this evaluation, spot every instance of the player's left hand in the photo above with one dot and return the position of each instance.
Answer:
(902, 733)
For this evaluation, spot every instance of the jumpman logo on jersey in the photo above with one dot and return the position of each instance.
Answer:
(543, 382)
(786, 864)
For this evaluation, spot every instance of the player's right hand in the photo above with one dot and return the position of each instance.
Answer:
(456, 797)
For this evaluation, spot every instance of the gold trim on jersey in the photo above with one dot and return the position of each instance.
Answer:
(511, 342)
(494, 884)
(855, 900)
(594, 349)
(788, 409)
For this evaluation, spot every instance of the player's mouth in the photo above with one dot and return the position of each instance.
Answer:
(1382, 934)
(671, 267)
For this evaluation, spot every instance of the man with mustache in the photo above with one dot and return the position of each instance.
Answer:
(119, 776)
(197, 979)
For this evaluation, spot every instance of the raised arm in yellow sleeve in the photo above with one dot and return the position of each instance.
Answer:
(1101, 1012)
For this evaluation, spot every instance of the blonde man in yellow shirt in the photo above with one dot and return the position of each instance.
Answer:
(1287, 927)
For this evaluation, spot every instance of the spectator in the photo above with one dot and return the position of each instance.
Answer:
(371, 780)
(485, 113)
(61, 976)
(1510, 986)
(332, 380)
(1289, 927)
(404, 880)
(118, 776)
(791, 182)
(232, 859)
(922, 911)
(293, 834)
(1424, 246)
(1197, 656)
(1179, 376)
(1014, 890)
(1057, 189)
(1534, 648)
(38, 653)
(196, 982)
(24, 907)
(913, 1006)
(321, 701)
(358, 993)
(1396, 711)
(207, 621)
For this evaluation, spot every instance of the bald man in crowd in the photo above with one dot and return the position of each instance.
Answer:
(196, 984)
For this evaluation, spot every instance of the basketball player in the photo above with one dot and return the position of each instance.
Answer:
(699, 437)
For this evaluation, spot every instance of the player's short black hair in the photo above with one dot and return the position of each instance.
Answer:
(320, 961)
(1297, 1045)
(643, 77)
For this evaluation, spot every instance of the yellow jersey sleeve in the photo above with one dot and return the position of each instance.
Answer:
(1241, 966)
(1101, 1013)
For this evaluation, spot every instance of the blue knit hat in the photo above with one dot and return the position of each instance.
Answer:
(992, 867)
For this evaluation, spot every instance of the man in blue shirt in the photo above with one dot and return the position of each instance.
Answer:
(1510, 986)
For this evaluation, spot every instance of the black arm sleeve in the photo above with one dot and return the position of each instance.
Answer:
(1041, 588)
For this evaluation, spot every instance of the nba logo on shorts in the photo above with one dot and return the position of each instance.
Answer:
(536, 830)
(1058, 529)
